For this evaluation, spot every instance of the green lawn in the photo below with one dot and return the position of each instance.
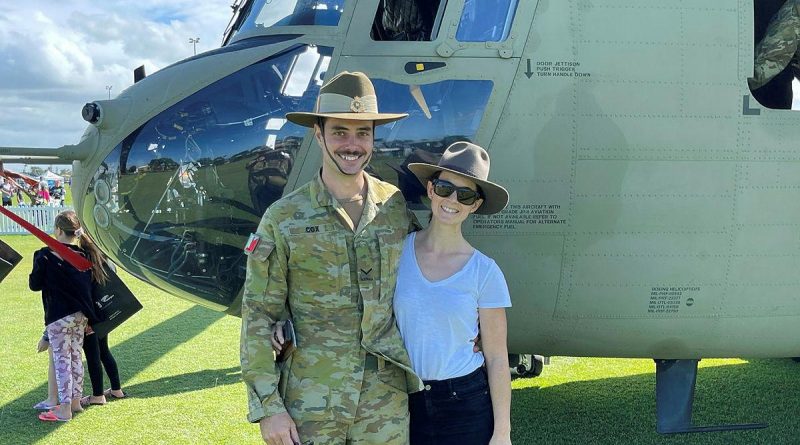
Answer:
(68, 196)
(179, 362)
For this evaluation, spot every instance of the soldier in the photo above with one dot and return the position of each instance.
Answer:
(326, 256)
(779, 46)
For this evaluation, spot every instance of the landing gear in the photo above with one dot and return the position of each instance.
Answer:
(527, 365)
(675, 381)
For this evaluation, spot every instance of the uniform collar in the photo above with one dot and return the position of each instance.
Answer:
(321, 196)
(377, 194)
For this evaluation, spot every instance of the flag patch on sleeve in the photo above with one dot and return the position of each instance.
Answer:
(252, 243)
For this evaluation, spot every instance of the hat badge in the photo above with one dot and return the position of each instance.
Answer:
(357, 105)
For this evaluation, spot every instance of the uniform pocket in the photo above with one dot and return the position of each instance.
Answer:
(393, 376)
(307, 399)
(263, 251)
(318, 261)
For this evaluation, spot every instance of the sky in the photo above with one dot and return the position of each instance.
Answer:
(55, 56)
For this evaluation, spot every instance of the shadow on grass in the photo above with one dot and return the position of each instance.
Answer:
(133, 356)
(183, 383)
(622, 410)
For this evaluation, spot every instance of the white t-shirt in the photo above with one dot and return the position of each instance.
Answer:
(438, 320)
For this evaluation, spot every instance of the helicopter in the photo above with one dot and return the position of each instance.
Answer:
(653, 208)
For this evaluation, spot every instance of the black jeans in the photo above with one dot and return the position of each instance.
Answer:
(453, 411)
(98, 356)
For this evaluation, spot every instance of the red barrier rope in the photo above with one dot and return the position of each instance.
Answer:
(65, 252)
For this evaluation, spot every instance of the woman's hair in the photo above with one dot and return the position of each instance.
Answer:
(68, 222)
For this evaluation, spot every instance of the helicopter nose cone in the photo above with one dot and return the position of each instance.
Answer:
(176, 199)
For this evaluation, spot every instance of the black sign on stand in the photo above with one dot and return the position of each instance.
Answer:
(9, 258)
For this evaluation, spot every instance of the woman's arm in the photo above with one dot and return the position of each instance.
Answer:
(495, 350)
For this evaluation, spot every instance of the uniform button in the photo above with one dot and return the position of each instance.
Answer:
(454, 393)
(427, 387)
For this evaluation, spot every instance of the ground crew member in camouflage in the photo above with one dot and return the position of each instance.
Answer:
(779, 46)
(326, 256)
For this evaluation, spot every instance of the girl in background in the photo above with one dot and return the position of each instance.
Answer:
(67, 297)
(98, 357)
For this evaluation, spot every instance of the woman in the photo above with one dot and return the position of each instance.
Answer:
(42, 195)
(67, 297)
(445, 289)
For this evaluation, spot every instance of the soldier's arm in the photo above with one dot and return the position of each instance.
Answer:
(263, 302)
(780, 43)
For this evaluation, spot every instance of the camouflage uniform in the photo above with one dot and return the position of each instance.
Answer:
(779, 46)
(337, 287)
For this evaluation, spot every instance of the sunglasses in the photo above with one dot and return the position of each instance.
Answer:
(464, 195)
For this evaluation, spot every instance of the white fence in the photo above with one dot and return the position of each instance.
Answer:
(40, 216)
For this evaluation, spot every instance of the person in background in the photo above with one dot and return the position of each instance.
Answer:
(42, 197)
(780, 46)
(52, 389)
(20, 199)
(67, 297)
(8, 192)
(98, 357)
(57, 194)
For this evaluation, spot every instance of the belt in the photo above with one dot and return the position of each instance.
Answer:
(374, 363)
(446, 383)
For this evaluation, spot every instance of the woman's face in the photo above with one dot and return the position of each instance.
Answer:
(447, 210)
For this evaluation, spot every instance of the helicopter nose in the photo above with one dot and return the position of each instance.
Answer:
(176, 199)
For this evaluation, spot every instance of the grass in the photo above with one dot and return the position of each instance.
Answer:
(180, 364)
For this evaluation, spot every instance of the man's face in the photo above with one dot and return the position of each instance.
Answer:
(349, 143)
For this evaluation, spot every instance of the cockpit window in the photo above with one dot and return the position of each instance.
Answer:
(407, 20)
(269, 13)
(486, 21)
(174, 200)
(438, 115)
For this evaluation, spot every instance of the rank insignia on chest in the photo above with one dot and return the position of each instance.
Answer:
(252, 243)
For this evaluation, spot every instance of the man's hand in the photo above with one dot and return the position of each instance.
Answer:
(279, 430)
(43, 345)
(276, 338)
(476, 343)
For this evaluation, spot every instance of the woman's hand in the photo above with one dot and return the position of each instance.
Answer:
(500, 439)
(42, 345)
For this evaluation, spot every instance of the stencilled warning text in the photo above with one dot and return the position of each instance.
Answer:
(670, 299)
(552, 68)
(520, 215)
